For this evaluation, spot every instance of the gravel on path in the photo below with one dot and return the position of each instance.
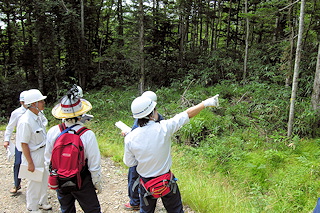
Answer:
(112, 198)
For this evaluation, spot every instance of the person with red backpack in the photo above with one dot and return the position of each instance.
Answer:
(149, 146)
(73, 157)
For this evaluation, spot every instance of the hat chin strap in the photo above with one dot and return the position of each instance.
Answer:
(36, 107)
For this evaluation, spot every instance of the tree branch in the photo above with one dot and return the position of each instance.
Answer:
(64, 6)
(288, 5)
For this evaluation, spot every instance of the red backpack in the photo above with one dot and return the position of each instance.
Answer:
(67, 160)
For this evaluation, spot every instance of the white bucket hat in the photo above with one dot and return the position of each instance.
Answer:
(71, 107)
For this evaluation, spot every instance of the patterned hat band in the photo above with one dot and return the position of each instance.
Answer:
(145, 109)
(68, 107)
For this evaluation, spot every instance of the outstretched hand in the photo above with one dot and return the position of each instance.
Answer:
(211, 102)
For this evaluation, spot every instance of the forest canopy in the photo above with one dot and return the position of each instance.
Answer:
(262, 57)
(160, 43)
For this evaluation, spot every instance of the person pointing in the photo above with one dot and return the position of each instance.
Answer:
(149, 148)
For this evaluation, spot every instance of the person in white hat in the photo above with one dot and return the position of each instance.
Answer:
(133, 194)
(71, 109)
(149, 146)
(31, 140)
(10, 146)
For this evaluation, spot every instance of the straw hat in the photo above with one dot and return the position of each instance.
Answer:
(71, 107)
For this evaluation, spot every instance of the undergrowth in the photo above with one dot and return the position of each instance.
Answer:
(234, 158)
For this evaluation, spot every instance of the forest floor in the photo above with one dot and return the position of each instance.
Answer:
(112, 198)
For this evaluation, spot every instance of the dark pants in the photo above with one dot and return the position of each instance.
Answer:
(172, 202)
(133, 195)
(317, 208)
(16, 168)
(86, 197)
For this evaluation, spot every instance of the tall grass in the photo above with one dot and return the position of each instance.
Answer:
(208, 192)
(235, 158)
(232, 159)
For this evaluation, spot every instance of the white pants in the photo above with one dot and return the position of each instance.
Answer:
(37, 191)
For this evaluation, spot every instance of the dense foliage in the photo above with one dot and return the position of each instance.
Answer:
(192, 49)
(234, 158)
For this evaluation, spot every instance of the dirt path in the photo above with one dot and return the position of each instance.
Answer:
(112, 198)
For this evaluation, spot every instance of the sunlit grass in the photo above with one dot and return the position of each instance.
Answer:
(211, 193)
(207, 192)
(236, 164)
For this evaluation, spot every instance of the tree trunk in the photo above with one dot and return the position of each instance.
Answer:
(194, 30)
(214, 28)
(40, 67)
(296, 70)
(82, 19)
(247, 45)
(22, 24)
(229, 24)
(315, 97)
(83, 54)
(183, 31)
(290, 62)
(141, 44)
(121, 23)
(237, 34)
(10, 35)
(218, 25)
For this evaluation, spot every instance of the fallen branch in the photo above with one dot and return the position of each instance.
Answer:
(183, 99)
(241, 97)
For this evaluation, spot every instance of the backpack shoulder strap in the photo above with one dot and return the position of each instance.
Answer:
(65, 129)
(62, 127)
(82, 130)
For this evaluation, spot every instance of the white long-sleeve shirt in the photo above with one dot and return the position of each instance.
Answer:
(13, 121)
(149, 147)
(90, 144)
(31, 130)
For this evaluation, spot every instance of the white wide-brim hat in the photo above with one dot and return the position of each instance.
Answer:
(70, 108)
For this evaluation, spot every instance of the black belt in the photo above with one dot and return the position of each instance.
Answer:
(41, 147)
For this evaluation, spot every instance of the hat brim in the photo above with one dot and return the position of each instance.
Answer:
(58, 113)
